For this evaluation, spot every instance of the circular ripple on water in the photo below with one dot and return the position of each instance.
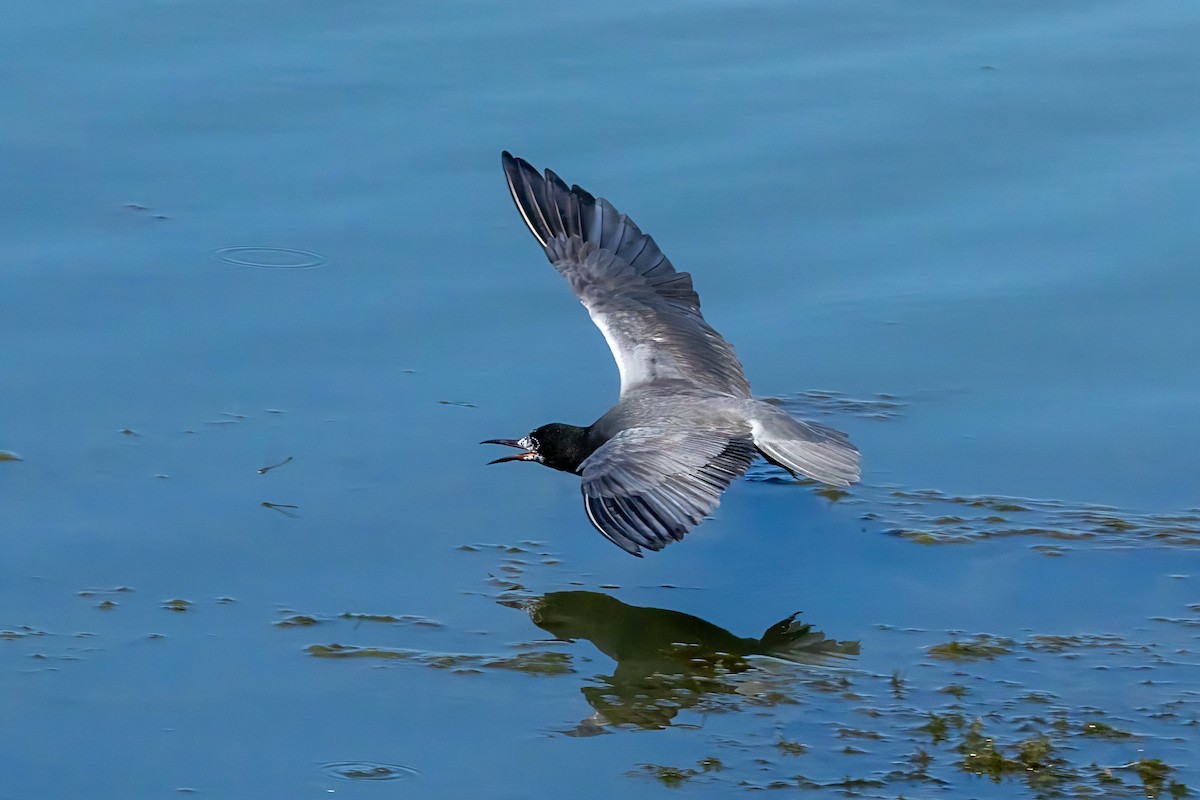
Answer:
(270, 257)
(367, 771)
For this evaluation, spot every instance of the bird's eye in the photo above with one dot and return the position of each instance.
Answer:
(534, 444)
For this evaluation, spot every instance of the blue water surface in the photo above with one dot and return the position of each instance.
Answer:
(971, 227)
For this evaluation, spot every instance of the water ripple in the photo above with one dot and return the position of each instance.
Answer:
(367, 771)
(270, 257)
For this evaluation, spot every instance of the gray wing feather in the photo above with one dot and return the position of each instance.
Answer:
(648, 312)
(647, 487)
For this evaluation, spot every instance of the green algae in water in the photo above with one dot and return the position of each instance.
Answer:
(675, 777)
(930, 517)
(791, 748)
(855, 733)
(669, 776)
(938, 726)
(535, 663)
(1034, 760)
(532, 663)
(855, 784)
(832, 495)
(1154, 774)
(983, 647)
(348, 651)
(1100, 730)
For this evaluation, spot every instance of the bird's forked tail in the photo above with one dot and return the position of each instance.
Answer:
(812, 450)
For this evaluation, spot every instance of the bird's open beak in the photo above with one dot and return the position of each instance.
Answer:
(526, 456)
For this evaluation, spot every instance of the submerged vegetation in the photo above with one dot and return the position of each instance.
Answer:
(533, 662)
(982, 646)
(931, 517)
(792, 710)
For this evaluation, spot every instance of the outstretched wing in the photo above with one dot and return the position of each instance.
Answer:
(647, 487)
(648, 312)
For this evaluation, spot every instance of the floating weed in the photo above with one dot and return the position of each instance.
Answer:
(931, 517)
(1034, 759)
(297, 621)
(675, 777)
(349, 651)
(1064, 644)
(791, 748)
(1099, 729)
(831, 494)
(855, 784)
(854, 733)
(835, 684)
(535, 663)
(941, 723)
(1154, 775)
(177, 605)
(532, 663)
(667, 776)
(920, 761)
(938, 726)
(1040, 698)
(1187, 622)
(983, 646)
(8, 455)
(20, 633)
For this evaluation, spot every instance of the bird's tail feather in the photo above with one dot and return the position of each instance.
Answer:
(807, 448)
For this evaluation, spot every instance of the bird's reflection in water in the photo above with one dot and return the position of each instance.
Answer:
(667, 661)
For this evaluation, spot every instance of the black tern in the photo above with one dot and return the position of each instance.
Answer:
(685, 427)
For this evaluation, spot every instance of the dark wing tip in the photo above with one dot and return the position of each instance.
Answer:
(508, 158)
(529, 193)
(583, 193)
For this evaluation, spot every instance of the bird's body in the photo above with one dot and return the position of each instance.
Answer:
(655, 464)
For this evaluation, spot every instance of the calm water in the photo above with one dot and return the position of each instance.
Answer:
(970, 230)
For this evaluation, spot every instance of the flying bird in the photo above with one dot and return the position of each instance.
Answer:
(685, 427)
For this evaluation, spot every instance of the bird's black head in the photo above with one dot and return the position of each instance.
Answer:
(556, 445)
